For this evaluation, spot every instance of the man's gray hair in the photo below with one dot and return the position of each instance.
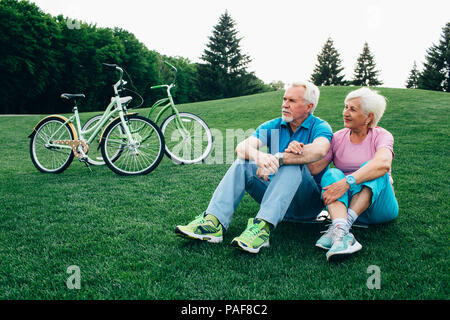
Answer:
(370, 102)
(312, 93)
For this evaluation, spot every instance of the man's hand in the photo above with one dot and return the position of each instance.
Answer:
(295, 147)
(267, 162)
(334, 191)
(263, 174)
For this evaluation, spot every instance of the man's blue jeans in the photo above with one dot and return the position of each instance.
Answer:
(292, 193)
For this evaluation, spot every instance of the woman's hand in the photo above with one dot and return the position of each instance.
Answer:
(335, 191)
(295, 147)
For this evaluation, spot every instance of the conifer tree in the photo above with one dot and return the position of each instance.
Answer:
(436, 73)
(224, 71)
(328, 69)
(412, 82)
(365, 73)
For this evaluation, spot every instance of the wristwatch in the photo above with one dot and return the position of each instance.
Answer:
(350, 180)
(279, 156)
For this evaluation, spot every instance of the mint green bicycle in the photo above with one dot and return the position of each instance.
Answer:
(129, 144)
(188, 139)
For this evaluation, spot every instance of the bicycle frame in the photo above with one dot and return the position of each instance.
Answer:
(170, 105)
(113, 108)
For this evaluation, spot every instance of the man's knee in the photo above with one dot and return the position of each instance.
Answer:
(331, 176)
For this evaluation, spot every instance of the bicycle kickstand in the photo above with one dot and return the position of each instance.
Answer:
(88, 166)
(84, 160)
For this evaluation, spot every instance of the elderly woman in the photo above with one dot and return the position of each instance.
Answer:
(360, 187)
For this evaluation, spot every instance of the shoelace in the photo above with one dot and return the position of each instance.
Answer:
(328, 229)
(199, 219)
(252, 231)
(336, 233)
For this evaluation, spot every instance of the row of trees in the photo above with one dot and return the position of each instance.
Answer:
(328, 70)
(435, 75)
(436, 69)
(42, 56)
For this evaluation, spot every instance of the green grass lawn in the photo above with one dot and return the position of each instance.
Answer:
(120, 230)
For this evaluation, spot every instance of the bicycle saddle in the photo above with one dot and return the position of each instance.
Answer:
(69, 96)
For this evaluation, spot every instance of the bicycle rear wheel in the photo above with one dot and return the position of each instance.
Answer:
(188, 146)
(138, 156)
(46, 156)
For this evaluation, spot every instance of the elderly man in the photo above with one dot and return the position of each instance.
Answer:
(280, 182)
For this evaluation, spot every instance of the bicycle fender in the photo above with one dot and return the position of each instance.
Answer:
(100, 139)
(56, 116)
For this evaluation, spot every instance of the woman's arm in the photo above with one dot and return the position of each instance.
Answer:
(317, 167)
(310, 153)
(375, 168)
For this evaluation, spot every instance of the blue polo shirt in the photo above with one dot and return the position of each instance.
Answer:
(276, 134)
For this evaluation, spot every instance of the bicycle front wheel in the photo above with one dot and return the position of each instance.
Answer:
(191, 145)
(136, 156)
(47, 156)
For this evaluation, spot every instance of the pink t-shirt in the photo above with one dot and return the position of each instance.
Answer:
(348, 156)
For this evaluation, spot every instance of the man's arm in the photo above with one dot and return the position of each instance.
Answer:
(249, 150)
(296, 153)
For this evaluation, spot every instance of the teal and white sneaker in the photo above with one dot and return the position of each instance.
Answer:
(202, 228)
(344, 245)
(326, 241)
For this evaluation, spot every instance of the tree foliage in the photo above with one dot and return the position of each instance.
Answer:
(42, 56)
(224, 71)
(365, 73)
(436, 73)
(413, 78)
(327, 71)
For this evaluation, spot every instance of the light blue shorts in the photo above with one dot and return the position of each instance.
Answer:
(384, 206)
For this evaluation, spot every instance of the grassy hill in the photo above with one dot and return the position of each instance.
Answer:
(119, 230)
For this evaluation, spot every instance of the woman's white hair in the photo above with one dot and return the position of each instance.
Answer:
(311, 95)
(371, 102)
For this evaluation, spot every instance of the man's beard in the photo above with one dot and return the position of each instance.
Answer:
(286, 118)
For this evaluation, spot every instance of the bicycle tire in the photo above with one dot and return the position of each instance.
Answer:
(50, 159)
(135, 159)
(186, 152)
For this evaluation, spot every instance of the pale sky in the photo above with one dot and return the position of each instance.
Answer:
(282, 37)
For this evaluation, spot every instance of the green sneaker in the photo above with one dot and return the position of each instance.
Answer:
(254, 237)
(343, 246)
(202, 229)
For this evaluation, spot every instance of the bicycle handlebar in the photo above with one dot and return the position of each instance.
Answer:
(114, 66)
(171, 66)
(160, 86)
(110, 65)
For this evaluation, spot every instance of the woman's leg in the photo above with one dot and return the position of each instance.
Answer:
(374, 201)
(337, 239)
(337, 209)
